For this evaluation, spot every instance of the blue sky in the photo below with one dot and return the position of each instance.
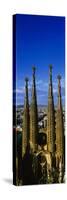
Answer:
(40, 41)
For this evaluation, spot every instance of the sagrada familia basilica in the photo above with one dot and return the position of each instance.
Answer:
(51, 158)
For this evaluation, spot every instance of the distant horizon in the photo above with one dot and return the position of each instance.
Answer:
(22, 105)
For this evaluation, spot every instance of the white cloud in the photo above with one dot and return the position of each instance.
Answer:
(42, 87)
(19, 90)
(55, 85)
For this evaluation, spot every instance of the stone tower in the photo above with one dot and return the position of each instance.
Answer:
(33, 115)
(50, 117)
(59, 127)
(26, 121)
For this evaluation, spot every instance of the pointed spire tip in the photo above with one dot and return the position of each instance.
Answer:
(26, 79)
(50, 66)
(33, 68)
(59, 77)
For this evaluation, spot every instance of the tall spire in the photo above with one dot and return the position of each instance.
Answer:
(26, 122)
(50, 74)
(50, 82)
(50, 116)
(33, 114)
(34, 86)
(59, 124)
(59, 93)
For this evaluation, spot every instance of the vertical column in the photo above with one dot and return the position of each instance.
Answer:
(59, 126)
(51, 116)
(33, 115)
(26, 120)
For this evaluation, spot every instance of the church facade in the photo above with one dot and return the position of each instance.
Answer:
(54, 151)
